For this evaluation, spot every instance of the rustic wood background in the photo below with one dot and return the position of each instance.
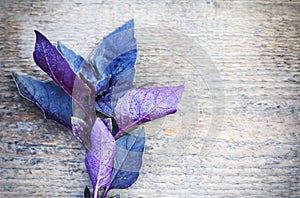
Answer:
(254, 47)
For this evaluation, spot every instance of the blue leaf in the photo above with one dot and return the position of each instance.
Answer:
(128, 25)
(80, 65)
(115, 58)
(73, 59)
(48, 97)
(115, 44)
(128, 158)
(116, 80)
(111, 68)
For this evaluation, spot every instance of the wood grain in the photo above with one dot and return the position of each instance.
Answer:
(254, 47)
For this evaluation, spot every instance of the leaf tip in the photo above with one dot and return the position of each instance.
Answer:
(60, 45)
(181, 87)
(131, 21)
(14, 74)
(15, 77)
(180, 90)
(87, 192)
(37, 34)
(40, 37)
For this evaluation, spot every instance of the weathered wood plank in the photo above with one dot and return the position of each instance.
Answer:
(253, 44)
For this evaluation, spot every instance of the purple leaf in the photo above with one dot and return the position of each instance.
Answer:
(108, 124)
(141, 105)
(81, 130)
(48, 58)
(128, 158)
(83, 111)
(48, 97)
(85, 97)
(99, 160)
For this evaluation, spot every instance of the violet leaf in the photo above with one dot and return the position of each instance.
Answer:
(48, 58)
(81, 130)
(128, 158)
(99, 160)
(75, 61)
(108, 123)
(83, 111)
(87, 193)
(48, 97)
(145, 104)
(85, 97)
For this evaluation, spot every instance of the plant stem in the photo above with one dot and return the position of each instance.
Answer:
(95, 194)
(126, 128)
(104, 195)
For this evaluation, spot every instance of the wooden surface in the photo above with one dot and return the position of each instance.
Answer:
(247, 51)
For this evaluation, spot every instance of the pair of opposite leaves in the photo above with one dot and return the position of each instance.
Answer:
(104, 83)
